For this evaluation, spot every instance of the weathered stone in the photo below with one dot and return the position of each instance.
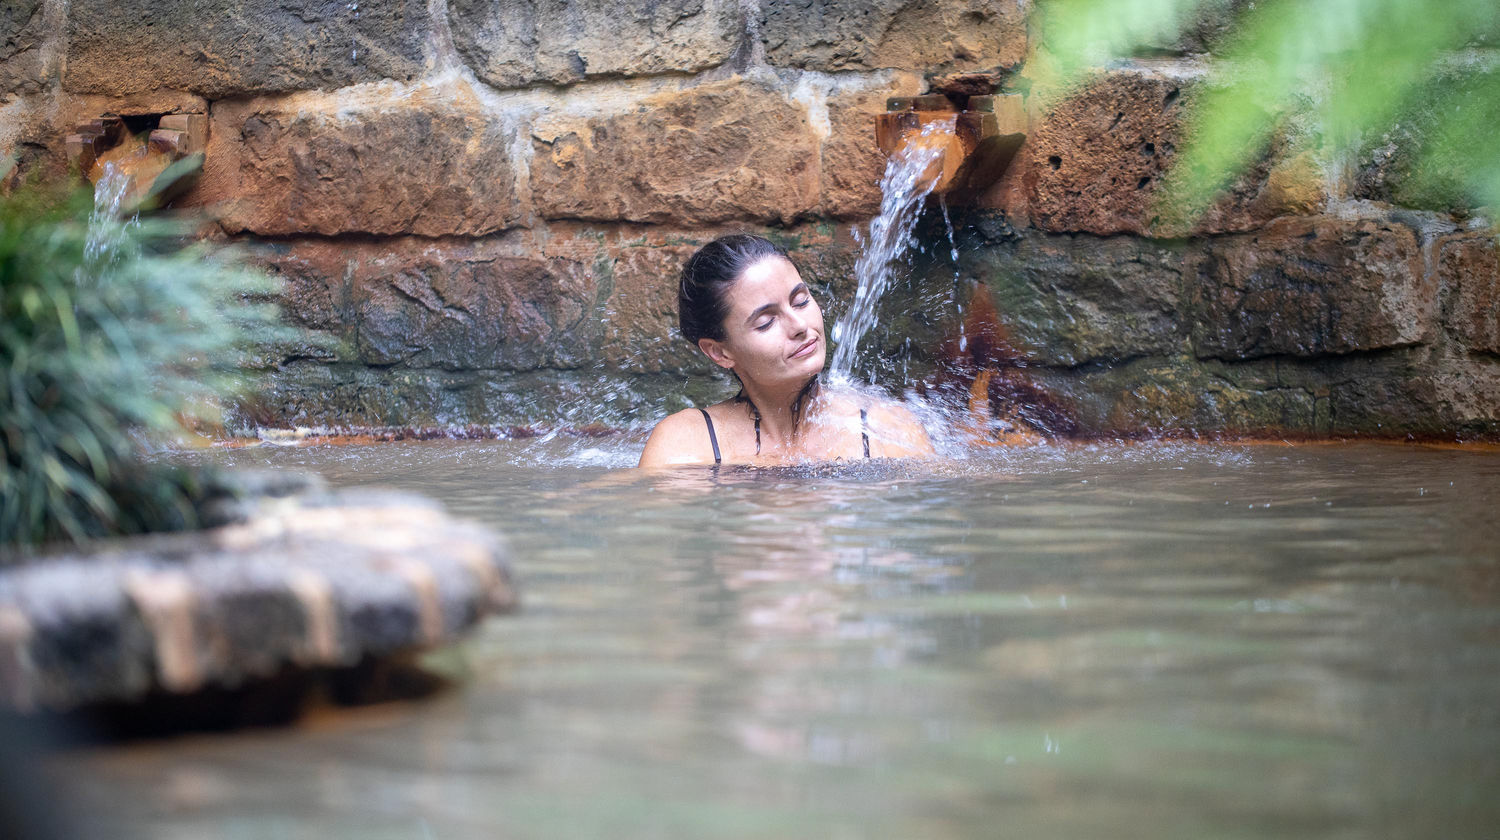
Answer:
(222, 48)
(1305, 287)
(640, 316)
(452, 306)
(1095, 159)
(1069, 301)
(923, 35)
(430, 168)
(852, 163)
(1469, 273)
(316, 583)
(564, 41)
(21, 34)
(724, 151)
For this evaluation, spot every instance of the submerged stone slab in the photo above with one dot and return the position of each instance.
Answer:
(1469, 271)
(428, 167)
(454, 305)
(726, 151)
(316, 581)
(563, 41)
(1314, 286)
(923, 35)
(21, 35)
(221, 48)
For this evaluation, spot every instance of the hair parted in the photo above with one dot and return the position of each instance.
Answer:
(703, 293)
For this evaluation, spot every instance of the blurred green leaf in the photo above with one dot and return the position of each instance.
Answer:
(1355, 67)
(112, 333)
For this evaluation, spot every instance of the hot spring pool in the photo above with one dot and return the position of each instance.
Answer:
(1111, 641)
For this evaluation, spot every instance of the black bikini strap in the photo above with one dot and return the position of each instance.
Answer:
(864, 432)
(713, 439)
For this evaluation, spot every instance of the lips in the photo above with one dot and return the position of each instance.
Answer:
(806, 349)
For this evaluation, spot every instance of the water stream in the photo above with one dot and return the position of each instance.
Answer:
(904, 188)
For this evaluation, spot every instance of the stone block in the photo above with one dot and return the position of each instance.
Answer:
(452, 306)
(1179, 395)
(640, 314)
(1070, 301)
(221, 48)
(1469, 273)
(852, 164)
(564, 41)
(1095, 159)
(432, 168)
(724, 151)
(921, 35)
(1313, 286)
(21, 35)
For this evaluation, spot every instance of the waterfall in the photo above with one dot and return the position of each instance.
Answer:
(910, 176)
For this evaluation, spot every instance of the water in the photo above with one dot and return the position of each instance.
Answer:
(1080, 641)
(904, 188)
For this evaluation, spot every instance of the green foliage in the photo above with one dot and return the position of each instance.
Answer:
(1357, 66)
(112, 336)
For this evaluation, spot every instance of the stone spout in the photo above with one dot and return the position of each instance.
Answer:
(987, 131)
(162, 155)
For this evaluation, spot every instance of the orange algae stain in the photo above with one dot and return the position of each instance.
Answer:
(1002, 405)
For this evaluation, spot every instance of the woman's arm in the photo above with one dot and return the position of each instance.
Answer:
(680, 439)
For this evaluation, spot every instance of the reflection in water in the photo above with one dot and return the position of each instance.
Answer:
(1085, 641)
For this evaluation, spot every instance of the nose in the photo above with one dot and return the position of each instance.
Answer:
(797, 322)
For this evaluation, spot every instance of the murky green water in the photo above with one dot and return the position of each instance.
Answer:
(1072, 642)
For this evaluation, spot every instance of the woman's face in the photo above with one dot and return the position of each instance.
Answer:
(773, 333)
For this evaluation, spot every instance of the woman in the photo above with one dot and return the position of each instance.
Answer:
(742, 302)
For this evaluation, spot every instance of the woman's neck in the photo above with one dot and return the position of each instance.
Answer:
(781, 411)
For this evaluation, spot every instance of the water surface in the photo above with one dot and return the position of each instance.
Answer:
(1081, 641)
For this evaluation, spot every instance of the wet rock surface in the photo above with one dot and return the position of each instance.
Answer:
(222, 48)
(307, 581)
(874, 34)
(563, 41)
(1072, 300)
(1309, 287)
(1469, 269)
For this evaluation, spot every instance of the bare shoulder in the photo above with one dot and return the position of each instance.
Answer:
(895, 432)
(679, 439)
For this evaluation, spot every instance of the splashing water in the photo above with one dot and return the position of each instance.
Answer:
(903, 188)
(107, 238)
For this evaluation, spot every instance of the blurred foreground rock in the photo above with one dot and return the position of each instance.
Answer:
(318, 580)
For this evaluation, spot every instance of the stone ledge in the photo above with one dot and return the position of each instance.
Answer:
(324, 580)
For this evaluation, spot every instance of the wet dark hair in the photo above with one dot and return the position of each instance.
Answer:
(703, 292)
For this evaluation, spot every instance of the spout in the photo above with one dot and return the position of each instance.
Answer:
(161, 155)
(985, 136)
